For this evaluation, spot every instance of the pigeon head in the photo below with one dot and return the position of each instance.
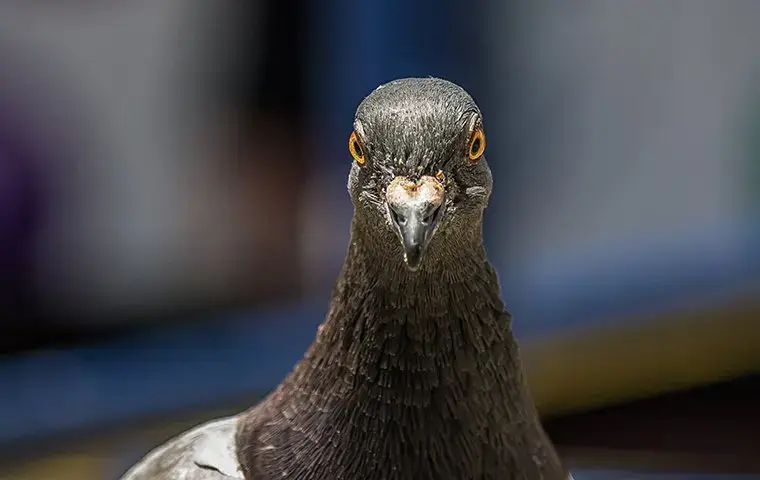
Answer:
(419, 176)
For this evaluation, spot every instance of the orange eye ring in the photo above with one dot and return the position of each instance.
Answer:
(477, 145)
(356, 148)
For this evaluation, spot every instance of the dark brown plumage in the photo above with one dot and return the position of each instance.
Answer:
(415, 373)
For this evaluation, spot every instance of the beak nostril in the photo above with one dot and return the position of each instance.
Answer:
(430, 218)
(397, 217)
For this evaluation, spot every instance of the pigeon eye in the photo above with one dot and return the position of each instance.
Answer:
(356, 148)
(477, 145)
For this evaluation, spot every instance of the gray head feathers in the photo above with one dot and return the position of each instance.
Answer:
(412, 125)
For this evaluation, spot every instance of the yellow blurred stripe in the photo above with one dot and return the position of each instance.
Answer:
(588, 369)
(60, 467)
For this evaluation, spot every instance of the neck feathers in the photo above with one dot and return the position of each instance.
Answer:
(412, 371)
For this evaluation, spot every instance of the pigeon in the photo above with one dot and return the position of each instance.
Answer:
(415, 373)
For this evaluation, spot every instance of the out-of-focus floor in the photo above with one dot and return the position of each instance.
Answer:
(704, 433)
(706, 429)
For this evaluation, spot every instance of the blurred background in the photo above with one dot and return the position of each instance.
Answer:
(173, 213)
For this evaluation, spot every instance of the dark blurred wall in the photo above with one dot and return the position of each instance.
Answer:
(23, 202)
(261, 91)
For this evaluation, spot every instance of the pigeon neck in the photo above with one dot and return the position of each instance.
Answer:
(395, 329)
(417, 371)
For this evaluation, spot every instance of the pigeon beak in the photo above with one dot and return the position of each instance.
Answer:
(414, 210)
